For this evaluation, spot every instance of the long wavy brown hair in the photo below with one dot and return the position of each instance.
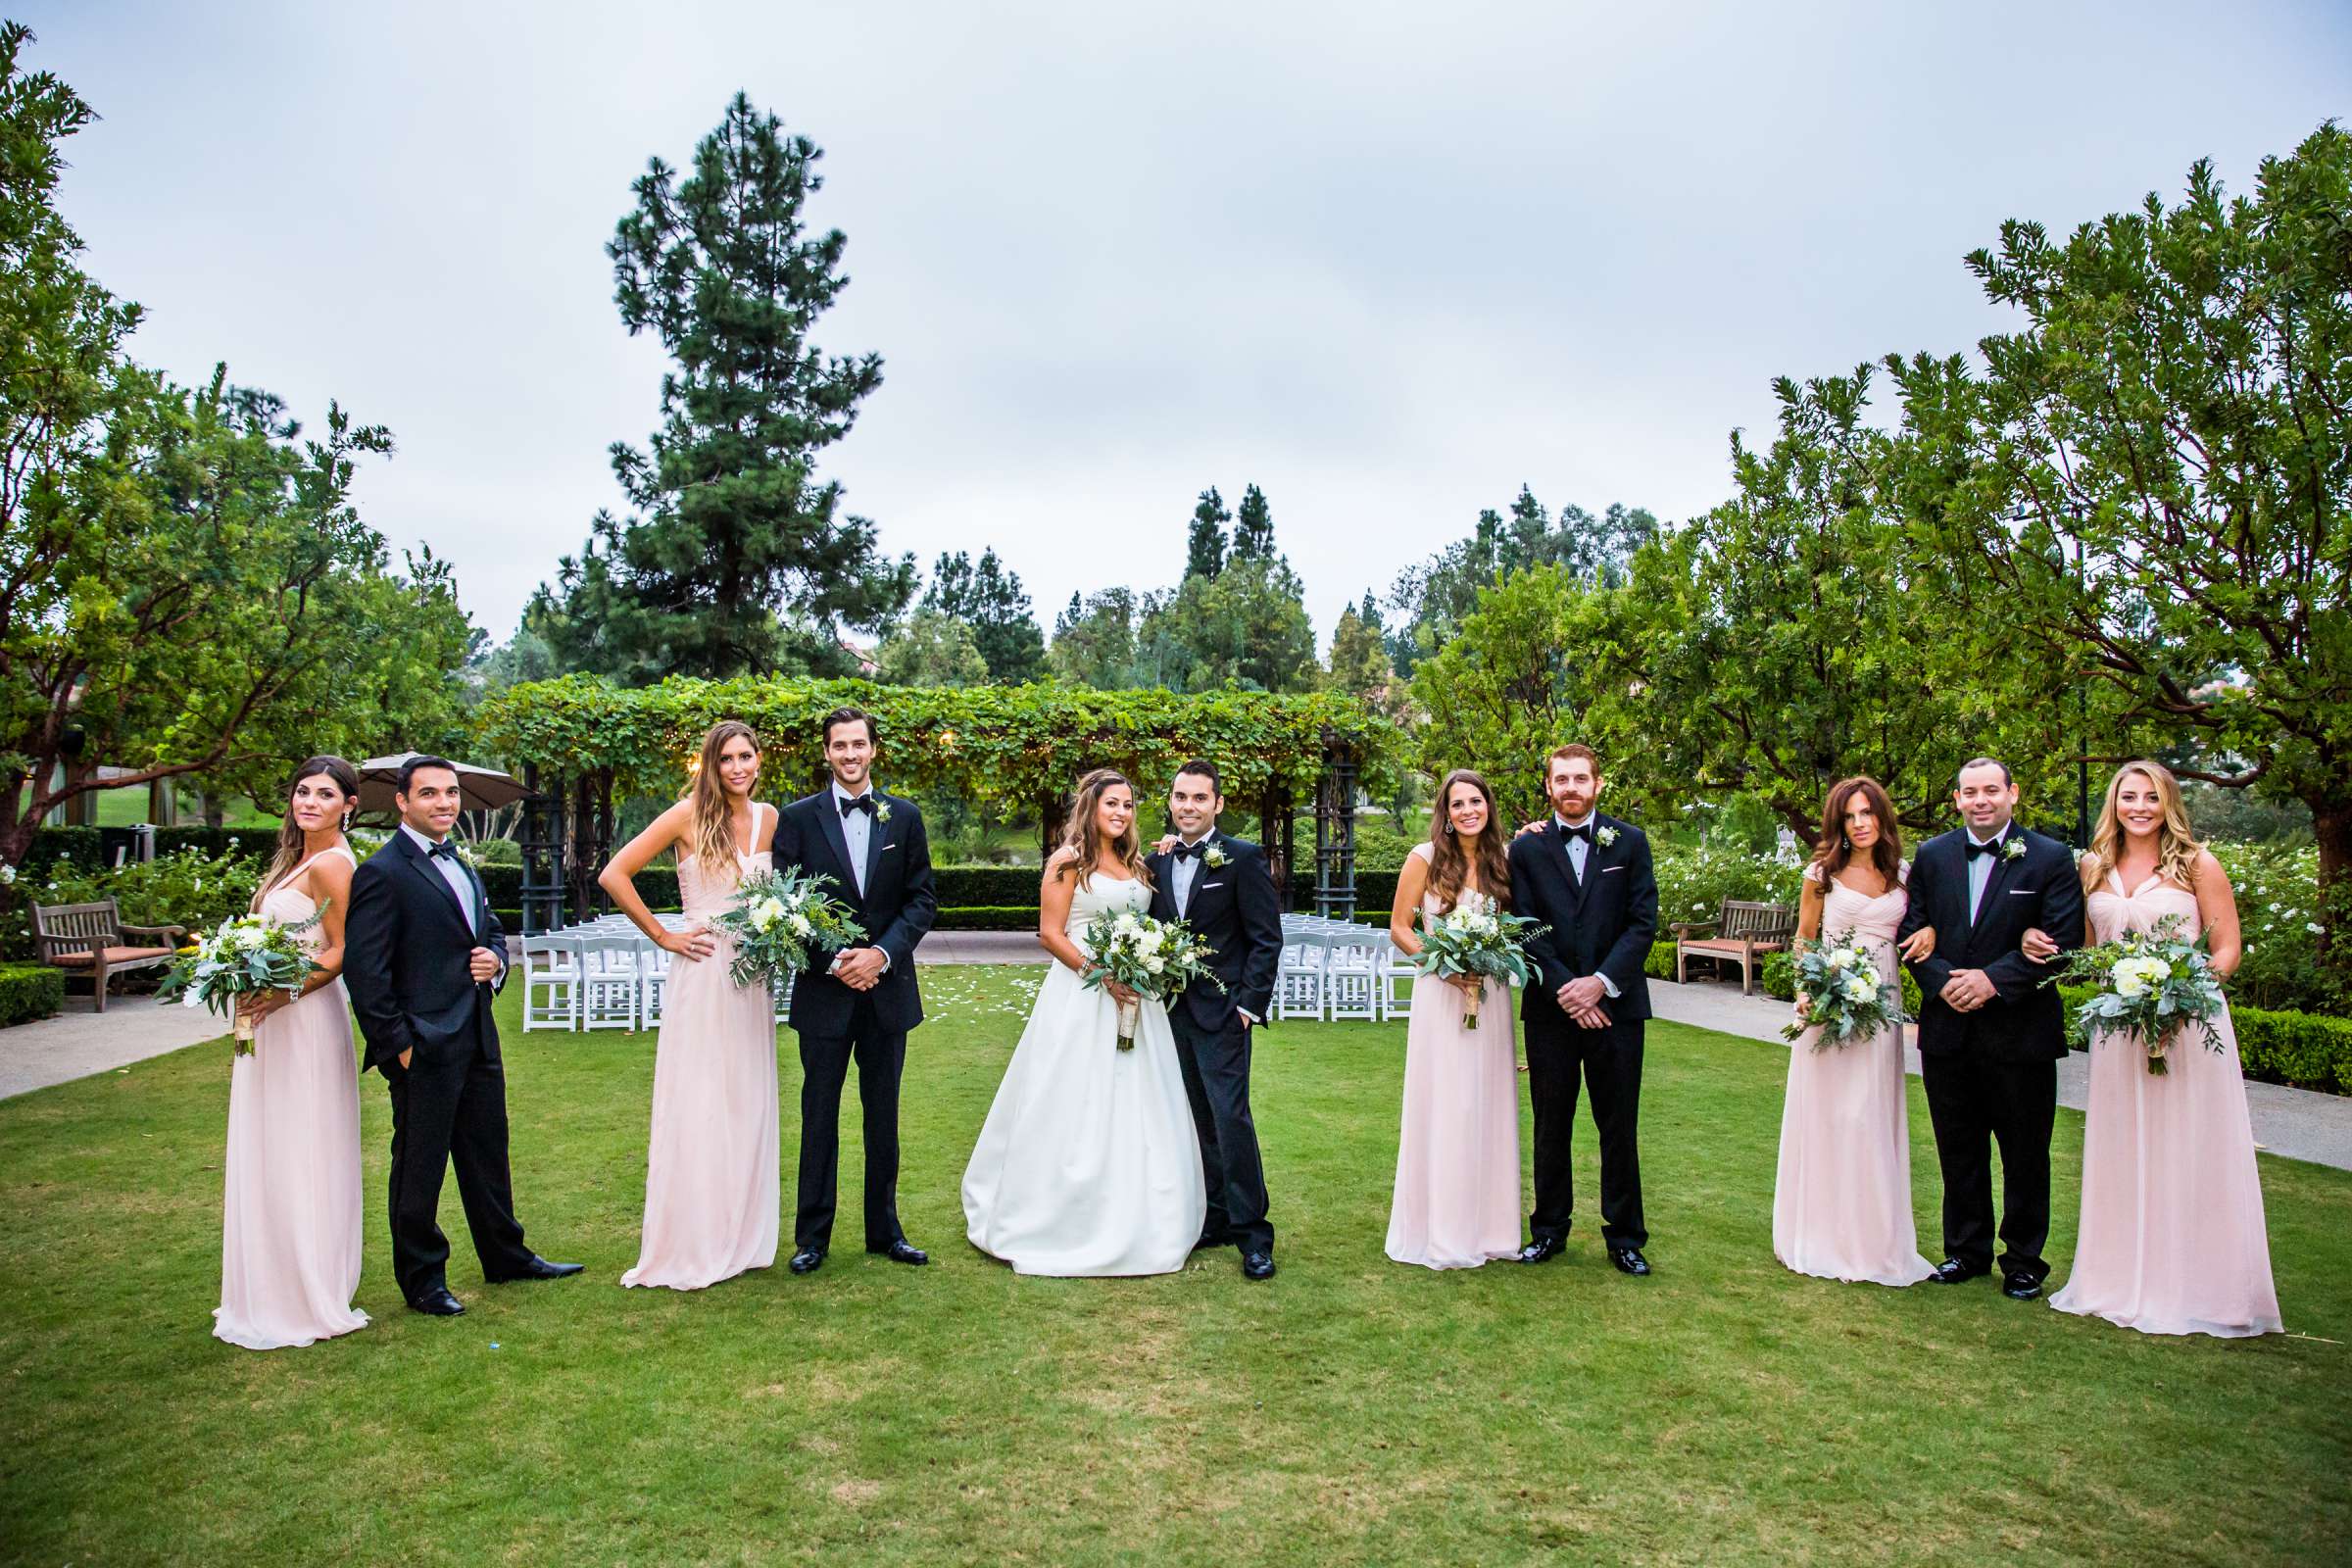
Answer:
(290, 832)
(710, 813)
(1834, 853)
(1082, 835)
(2176, 844)
(1448, 866)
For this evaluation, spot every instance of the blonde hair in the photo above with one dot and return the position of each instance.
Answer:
(2177, 847)
(711, 816)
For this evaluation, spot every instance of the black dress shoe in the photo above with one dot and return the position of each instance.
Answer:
(902, 1251)
(1258, 1265)
(437, 1303)
(1543, 1249)
(1628, 1260)
(1951, 1271)
(1214, 1238)
(807, 1260)
(2020, 1286)
(539, 1268)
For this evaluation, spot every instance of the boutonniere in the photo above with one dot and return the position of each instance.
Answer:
(2014, 850)
(881, 810)
(1215, 859)
(1604, 835)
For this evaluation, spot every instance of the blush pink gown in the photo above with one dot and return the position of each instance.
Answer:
(2171, 1238)
(290, 1222)
(712, 1194)
(1841, 1204)
(1456, 1203)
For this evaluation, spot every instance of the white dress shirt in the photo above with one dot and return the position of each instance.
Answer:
(1187, 871)
(857, 834)
(1979, 870)
(1578, 852)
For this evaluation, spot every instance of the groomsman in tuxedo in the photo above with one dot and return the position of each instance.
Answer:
(1222, 887)
(862, 1004)
(424, 957)
(1588, 878)
(1990, 1031)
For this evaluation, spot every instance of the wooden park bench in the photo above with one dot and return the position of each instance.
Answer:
(1742, 934)
(90, 939)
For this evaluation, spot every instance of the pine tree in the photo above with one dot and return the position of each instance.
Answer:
(739, 558)
(1205, 549)
(991, 602)
(1253, 527)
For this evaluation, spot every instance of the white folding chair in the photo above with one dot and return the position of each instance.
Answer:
(551, 967)
(1395, 969)
(609, 976)
(1350, 978)
(1298, 980)
(652, 983)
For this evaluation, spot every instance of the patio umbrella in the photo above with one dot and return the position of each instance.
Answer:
(484, 789)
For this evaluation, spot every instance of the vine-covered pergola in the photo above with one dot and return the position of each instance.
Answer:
(583, 744)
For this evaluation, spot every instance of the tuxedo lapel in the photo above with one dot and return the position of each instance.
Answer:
(828, 817)
(2002, 861)
(876, 834)
(422, 864)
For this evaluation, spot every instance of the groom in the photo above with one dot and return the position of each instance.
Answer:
(423, 959)
(1588, 879)
(861, 1005)
(1990, 1033)
(1222, 888)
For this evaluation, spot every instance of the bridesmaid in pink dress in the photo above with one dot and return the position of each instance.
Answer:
(1456, 1204)
(712, 1194)
(2171, 1238)
(1842, 1205)
(291, 1220)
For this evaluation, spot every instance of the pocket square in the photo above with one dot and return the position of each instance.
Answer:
(887, 848)
(2022, 893)
(1203, 888)
(1604, 871)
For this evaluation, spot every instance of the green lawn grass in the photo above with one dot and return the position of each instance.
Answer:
(1352, 1410)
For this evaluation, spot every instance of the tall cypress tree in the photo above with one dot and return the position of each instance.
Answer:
(1253, 527)
(740, 558)
(1204, 547)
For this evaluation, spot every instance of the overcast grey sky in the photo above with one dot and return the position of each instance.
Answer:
(1389, 262)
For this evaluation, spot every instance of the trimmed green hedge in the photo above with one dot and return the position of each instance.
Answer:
(1659, 966)
(29, 991)
(79, 846)
(987, 917)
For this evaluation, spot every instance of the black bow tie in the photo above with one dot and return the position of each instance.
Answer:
(1584, 833)
(1975, 849)
(1185, 851)
(443, 851)
(863, 802)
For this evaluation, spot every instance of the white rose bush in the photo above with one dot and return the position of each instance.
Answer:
(1476, 938)
(2152, 985)
(1151, 958)
(1838, 984)
(777, 919)
(247, 954)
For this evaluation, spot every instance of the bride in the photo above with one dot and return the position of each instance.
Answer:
(1088, 1163)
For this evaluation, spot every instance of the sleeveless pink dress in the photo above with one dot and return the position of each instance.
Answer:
(1841, 1204)
(290, 1222)
(2171, 1238)
(712, 1193)
(1456, 1202)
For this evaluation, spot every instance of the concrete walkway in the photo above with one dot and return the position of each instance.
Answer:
(2297, 1123)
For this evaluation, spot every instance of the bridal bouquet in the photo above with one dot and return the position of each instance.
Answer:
(1476, 940)
(1155, 958)
(2152, 984)
(250, 954)
(1843, 994)
(777, 918)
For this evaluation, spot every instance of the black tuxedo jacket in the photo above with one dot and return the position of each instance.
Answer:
(897, 908)
(1236, 911)
(406, 950)
(1604, 926)
(2024, 1021)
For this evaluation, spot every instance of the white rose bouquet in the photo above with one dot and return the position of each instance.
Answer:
(2152, 984)
(1839, 984)
(1155, 958)
(247, 954)
(1475, 938)
(777, 919)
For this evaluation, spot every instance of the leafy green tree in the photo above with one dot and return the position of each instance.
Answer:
(1204, 547)
(739, 559)
(1095, 640)
(932, 649)
(1248, 626)
(523, 656)
(991, 601)
(1359, 660)
(1253, 527)
(2153, 475)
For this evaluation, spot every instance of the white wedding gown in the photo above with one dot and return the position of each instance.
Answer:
(1088, 1163)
